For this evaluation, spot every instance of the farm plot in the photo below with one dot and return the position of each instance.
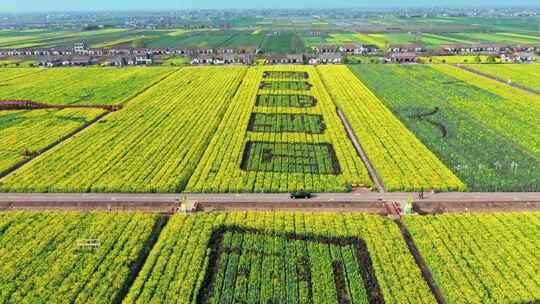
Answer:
(285, 100)
(400, 159)
(13, 73)
(467, 126)
(192, 39)
(269, 257)
(152, 145)
(527, 75)
(26, 134)
(81, 86)
(72, 257)
(290, 158)
(268, 123)
(516, 118)
(481, 258)
(285, 85)
(49, 39)
(278, 138)
(497, 37)
(244, 39)
(283, 43)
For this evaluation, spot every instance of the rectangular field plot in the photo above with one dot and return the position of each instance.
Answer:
(285, 75)
(478, 127)
(152, 145)
(286, 85)
(400, 159)
(280, 257)
(278, 123)
(290, 158)
(282, 142)
(524, 74)
(72, 257)
(80, 86)
(285, 100)
(481, 258)
(244, 260)
(26, 134)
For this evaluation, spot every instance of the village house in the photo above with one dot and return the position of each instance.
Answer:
(97, 52)
(117, 61)
(519, 58)
(82, 61)
(526, 48)
(409, 57)
(490, 48)
(202, 59)
(143, 59)
(248, 50)
(204, 51)
(330, 58)
(353, 49)
(225, 51)
(456, 49)
(185, 52)
(367, 49)
(311, 59)
(285, 59)
(406, 48)
(350, 49)
(50, 62)
(323, 49)
(80, 48)
(140, 52)
(119, 51)
(246, 59)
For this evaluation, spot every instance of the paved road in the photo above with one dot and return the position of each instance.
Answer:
(265, 198)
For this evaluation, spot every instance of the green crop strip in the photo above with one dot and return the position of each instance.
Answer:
(285, 85)
(285, 100)
(242, 259)
(285, 75)
(305, 123)
(475, 129)
(290, 157)
(276, 257)
(275, 139)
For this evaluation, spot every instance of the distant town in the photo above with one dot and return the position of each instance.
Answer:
(236, 37)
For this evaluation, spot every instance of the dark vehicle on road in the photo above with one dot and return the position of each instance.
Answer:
(301, 194)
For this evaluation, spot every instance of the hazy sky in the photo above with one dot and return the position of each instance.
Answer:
(85, 5)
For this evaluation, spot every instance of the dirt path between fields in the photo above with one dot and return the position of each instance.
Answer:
(515, 85)
(371, 170)
(428, 277)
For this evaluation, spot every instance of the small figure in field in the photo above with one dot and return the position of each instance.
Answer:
(421, 193)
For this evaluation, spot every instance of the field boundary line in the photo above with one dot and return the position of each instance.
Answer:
(360, 151)
(420, 262)
(145, 89)
(79, 130)
(352, 137)
(514, 85)
(23, 75)
(142, 258)
(54, 144)
(214, 132)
